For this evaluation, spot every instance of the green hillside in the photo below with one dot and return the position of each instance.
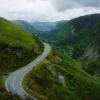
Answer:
(17, 48)
(61, 78)
(80, 39)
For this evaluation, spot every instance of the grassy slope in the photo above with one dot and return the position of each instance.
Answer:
(17, 48)
(44, 82)
(84, 28)
(80, 37)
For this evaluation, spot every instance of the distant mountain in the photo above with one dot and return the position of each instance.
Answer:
(35, 26)
(61, 23)
(25, 25)
(48, 26)
(44, 26)
(43, 29)
(80, 38)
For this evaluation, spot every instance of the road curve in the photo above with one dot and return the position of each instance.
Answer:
(14, 81)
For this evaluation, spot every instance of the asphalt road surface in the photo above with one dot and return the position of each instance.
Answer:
(14, 81)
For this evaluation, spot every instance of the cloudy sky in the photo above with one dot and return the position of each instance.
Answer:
(47, 10)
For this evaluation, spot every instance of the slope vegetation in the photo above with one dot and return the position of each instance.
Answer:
(17, 48)
(61, 78)
(80, 38)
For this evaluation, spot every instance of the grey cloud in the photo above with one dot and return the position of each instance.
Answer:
(62, 5)
(47, 10)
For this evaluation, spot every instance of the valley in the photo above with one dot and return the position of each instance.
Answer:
(65, 67)
(78, 38)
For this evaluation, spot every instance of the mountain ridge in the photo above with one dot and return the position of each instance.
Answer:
(78, 37)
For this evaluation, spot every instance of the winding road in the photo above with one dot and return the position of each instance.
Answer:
(14, 81)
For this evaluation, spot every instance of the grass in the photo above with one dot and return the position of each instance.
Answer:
(44, 83)
(79, 38)
(17, 48)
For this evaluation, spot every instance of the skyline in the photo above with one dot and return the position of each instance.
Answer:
(47, 10)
